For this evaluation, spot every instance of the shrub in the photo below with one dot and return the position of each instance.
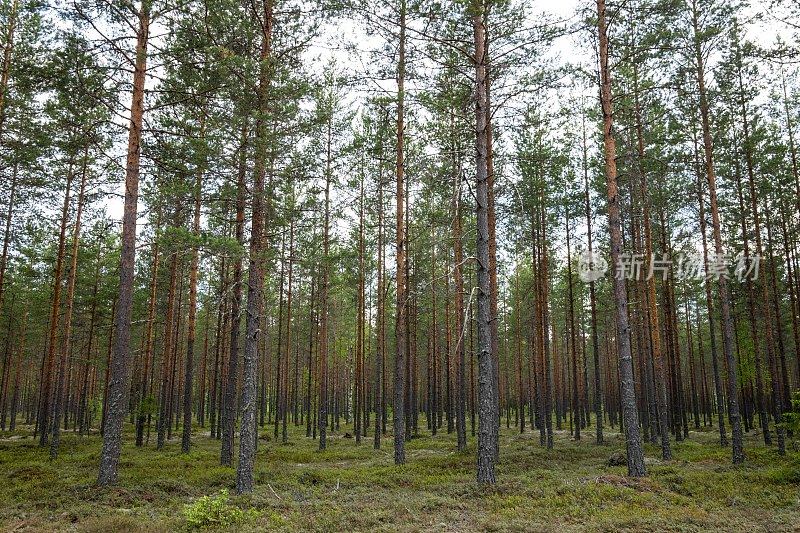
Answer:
(791, 420)
(216, 512)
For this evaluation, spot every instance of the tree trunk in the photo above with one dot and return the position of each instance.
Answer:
(461, 323)
(7, 233)
(186, 437)
(487, 405)
(112, 437)
(401, 325)
(718, 388)
(255, 275)
(635, 457)
(598, 395)
(230, 405)
(46, 395)
(60, 398)
(381, 314)
(722, 283)
(576, 408)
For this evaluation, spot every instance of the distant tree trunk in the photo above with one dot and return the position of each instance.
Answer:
(765, 309)
(46, 394)
(186, 437)
(520, 399)
(15, 396)
(112, 437)
(309, 361)
(83, 414)
(279, 352)
(107, 376)
(723, 438)
(381, 315)
(692, 367)
(148, 356)
(322, 374)
(60, 398)
(255, 276)
(7, 233)
(219, 339)
(793, 289)
(576, 408)
(359, 399)
(598, 394)
(790, 275)
(285, 397)
(778, 371)
(230, 405)
(752, 314)
(547, 387)
(461, 323)
(650, 294)
(166, 361)
(202, 379)
(635, 457)
(433, 354)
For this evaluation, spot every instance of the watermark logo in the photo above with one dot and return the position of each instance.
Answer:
(593, 267)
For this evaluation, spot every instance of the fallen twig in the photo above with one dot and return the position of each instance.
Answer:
(273, 492)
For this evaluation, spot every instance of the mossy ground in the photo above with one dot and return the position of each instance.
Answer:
(356, 488)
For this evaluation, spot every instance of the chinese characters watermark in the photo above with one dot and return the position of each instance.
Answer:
(630, 266)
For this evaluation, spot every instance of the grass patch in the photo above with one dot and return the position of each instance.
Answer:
(357, 488)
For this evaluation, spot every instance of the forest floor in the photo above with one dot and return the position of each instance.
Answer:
(355, 488)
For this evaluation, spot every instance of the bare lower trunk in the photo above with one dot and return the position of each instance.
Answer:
(722, 282)
(117, 401)
(255, 276)
(486, 394)
(229, 403)
(635, 456)
(59, 400)
(598, 395)
(401, 325)
(192, 325)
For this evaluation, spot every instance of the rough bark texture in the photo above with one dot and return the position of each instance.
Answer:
(401, 325)
(635, 456)
(487, 406)
(117, 386)
(255, 277)
(737, 451)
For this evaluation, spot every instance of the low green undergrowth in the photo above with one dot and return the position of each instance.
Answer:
(216, 512)
(357, 488)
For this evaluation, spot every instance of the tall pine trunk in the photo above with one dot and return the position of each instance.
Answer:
(255, 275)
(401, 324)
(186, 437)
(117, 402)
(737, 453)
(635, 456)
(60, 398)
(487, 399)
